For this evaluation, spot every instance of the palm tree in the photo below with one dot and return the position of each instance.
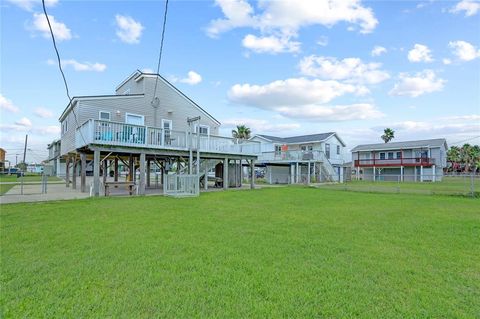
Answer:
(453, 156)
(388, 135)
(241, 133)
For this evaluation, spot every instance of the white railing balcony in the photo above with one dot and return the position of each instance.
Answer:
(129, 135)
(292, 156)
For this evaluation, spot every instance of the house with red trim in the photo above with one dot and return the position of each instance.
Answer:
(422, 160)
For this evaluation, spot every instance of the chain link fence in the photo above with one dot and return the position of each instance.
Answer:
(459, 184)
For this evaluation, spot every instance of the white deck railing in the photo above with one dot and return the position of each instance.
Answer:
(179, 185)
(129, 135)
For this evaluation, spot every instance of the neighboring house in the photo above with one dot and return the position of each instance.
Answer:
(55, 160)
(2, 159)
(301, 159)
(140, 127)
(421, 160)
(35, 168)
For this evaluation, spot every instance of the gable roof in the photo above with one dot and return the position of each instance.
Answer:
(139, 74)
(300, 139)
(438, 142)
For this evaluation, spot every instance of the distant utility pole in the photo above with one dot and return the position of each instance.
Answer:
(24, 163)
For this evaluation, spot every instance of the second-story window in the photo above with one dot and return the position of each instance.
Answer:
(338, 149)
(65, 126)
(204, 130)
(382, 156)
(278, 149)
(399, 155)
(390, 155)
(104, 116)
(327, 150)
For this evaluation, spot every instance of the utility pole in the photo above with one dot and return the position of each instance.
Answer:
(24, 163)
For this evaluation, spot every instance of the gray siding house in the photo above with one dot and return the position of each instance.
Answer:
(301, 159)
(422, 160)
(142, 127)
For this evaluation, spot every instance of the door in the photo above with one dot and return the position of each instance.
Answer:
(135, 134)
(167, 134)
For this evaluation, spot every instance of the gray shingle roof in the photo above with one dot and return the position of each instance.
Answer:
(438, 142)
(298, 139)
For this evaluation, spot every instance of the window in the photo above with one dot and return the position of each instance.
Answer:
(338, 149)
(278, 149)
(382, 156)
(390, 155)
(203, 129)
(327, 150)
(104, 116)
(306, 148)
(399, 155)
(65, 126)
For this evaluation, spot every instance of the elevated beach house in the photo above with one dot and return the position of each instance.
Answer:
(422, 160)
(301, 159)
(148, 125)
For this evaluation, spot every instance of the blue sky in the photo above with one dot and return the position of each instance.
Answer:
(282, 67)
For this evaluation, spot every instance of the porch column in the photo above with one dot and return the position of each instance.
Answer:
(74, 173)
(141, 189)
(252, 174)
(115, 168)
(241, 173)
(205, 186)
(434, 172)
(308, 173)
(225, 173)
(315, 171)
(130, 168)
(374, 173)
(148, 172)
(292, 173)
(96, 173)
(421, 173)
(105, 171)
(415, 173)
(83, 172)
(67, 171)
(401, 173)
(297, 173)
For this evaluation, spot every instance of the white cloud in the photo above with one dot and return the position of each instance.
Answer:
(24, 122)
(291, 15)
(294, 91)
(81, 66)
(30, 4)
(322, 41)
(260, 125)
(147, 70)
(471, 7)
(464, 50)
(420, 53)
(193, 78)
(60, 30)
(378, 50)
(352, 70)
(303, 99)
(128, 30)
(417, 84)
(7, 105)
(446, 61)
(270, 44)
(322, 113)
(43, 113)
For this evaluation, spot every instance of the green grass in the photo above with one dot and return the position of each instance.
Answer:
(448, 186)
(27, 178)
(276, 252)
(5, 188)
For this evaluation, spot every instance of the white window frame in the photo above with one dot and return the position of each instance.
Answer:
(100, 115)
(338, 149)
(65, 126)
(203, 126)
(380, 156)
(390, 157)
(170, 121)
(137, 115)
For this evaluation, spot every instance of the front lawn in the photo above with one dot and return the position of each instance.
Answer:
(276, 252)
(27, 178)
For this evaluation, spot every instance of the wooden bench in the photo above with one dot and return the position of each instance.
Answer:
(130, 186)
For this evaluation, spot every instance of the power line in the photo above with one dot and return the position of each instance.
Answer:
(161, 50)
(61, 70)
(468, 139)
